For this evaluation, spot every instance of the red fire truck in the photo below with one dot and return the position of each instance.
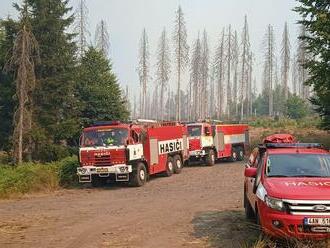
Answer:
(129, 152)
(208, 142)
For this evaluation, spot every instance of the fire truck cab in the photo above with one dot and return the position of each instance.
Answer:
(201, 145)
(130, 152)
(208, 142)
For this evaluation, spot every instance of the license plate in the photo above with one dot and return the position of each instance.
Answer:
(317, 221)
(320, 229)
(102, 170)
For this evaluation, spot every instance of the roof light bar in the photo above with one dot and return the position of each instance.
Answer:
(291, 145)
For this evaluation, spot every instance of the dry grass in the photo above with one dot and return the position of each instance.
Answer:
(266, 242)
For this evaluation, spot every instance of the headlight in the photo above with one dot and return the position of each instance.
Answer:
(274, 203)
(82, 170)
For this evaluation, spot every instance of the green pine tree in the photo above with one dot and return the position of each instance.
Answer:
(98, 90)
(8, 31)
(54, 99)
(316, 19)
(296, 107)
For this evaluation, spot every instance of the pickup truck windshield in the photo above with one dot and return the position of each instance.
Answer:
(298, 165)
(195, 130)
(105, 137)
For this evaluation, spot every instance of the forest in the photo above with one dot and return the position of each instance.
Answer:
(53, 81)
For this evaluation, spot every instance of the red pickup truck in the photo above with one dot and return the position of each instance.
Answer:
(287, 188)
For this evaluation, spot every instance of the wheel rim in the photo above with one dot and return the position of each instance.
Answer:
(241, 154)
(178, 163)
(234, 155)
(142, 175)
(170, 166)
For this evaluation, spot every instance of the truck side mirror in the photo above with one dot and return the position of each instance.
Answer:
(250, 172)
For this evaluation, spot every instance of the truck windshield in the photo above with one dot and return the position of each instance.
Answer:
(105, 137)
(194, 130)
(298, 165)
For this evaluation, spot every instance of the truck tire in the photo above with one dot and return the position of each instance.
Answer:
(210, 158)
(240, 154)
(98, 181)
(169, 166)
(139, 176)
(234, 155)
(178, 165)
(249, 213)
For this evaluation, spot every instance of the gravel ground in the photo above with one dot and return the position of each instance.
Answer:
(201, 207)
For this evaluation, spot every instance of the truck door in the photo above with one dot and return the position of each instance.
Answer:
(219, 140)
(154, 156)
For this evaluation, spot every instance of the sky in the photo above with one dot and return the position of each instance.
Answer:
(127, 18)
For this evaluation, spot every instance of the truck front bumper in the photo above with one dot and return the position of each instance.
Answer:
(121, 172)
(197, 153)
(285, 225)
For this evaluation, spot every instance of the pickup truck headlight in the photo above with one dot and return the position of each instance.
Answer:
(274, 203)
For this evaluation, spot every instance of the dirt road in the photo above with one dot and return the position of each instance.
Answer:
(201, 207)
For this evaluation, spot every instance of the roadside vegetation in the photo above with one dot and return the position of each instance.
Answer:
(15, 181)
(304, 129)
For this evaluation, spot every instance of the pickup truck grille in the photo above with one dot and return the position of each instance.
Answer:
(308, 207)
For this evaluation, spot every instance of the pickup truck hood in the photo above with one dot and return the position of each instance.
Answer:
(298, 188)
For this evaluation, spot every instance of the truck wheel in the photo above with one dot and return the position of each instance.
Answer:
(98, 181)
(139, 176)
(169, 166)
(210, 158)
(234, 155)
(240, 154)
(178, 165)
(249, 214)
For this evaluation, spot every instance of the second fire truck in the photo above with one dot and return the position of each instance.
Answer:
(208, 142)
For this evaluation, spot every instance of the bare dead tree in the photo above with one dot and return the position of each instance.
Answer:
(219, 69)
(229, 58)
(196, 77)
(269, 54)
(25, 54)
(212, 98)
(163, 68)
(235, 78)
(154, 106)
(302, 58)
(249, 83)
(181, 53)
(134, 108)
(143, 70)
(204, 75)
(102, 38)
(294, 75)
(81, 27)
(244, 61)
(285, 60)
